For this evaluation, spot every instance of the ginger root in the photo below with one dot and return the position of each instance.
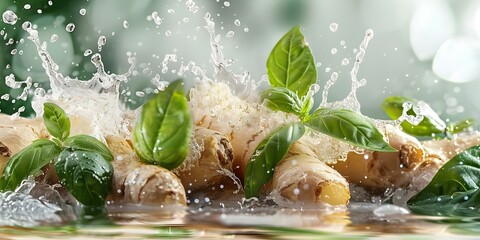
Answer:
(208, 162)
(301, 179)
(379, 171)
(140, 183)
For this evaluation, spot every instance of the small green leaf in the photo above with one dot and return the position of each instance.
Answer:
(268, 153)
(460, 126)
(454, 190)
(29, 161)
(56, 121)
(431, 123)
(350, 127)
(86, 175)
(282, 99)
(162, 132)
(88, 143)
(291, 64)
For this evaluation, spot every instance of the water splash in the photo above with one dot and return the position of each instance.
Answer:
(350, 102)
(96, 97)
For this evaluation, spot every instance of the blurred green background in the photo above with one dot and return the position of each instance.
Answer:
(427, 49)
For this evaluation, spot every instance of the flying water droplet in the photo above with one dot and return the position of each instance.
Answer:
(230, 34)
(9, 17)
(333, 27)
(70, 27)
(53, 38)
(226, 3)
(237, 22)
(83, 11)
(334, 51)
(102, 40)
(87, 52)
(345, 62)
(125, 24)
(27, 6)
(171, 11)
(156, 19)
(26, 25)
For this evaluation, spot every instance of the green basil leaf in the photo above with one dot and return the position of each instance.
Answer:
(28, 161)
(268, 153)
(350, 127)
(282, 99)
(162, 132)
(291, 65)
(455, 188)
(86, 175)
(460, 126)
(431, 123)
(56, 121)
(88, 143)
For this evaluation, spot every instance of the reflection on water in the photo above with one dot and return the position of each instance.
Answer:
(359, 221)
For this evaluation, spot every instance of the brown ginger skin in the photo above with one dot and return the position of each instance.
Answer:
(213, 164)
(135, 182)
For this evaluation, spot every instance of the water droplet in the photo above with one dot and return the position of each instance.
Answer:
(156, 19)
(26, 25)
(14, 51)
(87, 52)
(70, 27)
(9, 17)
(83, 11)
(230, 34)
(342, 42)
(226, 3)
(102, 40)
(125, 24)
(171, 11)
(333, 51)
(50, 3)
(327, 69)
(237, 22)
(345, 62)
(53, 38)
(39, 92)
(246, 29)
(185, 20)
(296, 191)
(333, 27)
(27, 6)
(140, 94)
(168, 33)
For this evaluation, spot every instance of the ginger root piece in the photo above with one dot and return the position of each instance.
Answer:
(208, 162)
(301, 179)
(379, 171)
(382, 170)
(15, 135)
(140, 183)
(245, 123)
